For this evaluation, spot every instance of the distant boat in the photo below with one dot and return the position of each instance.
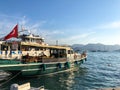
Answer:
(30, 56)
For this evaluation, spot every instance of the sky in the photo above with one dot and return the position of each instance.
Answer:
(68, 21)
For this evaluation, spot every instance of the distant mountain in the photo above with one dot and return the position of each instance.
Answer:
(95, 47)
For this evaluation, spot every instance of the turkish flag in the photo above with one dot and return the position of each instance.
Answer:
(13, 33)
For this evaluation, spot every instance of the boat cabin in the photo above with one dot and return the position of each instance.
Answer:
(34, 47)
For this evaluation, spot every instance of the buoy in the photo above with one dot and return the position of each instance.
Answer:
(85, 59)
(76, 62)
(59, 65)
(67, 65)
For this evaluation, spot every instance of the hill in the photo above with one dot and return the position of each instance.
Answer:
(95, 47)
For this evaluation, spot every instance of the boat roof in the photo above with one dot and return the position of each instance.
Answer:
(1, 42)
(45, 46)
(31, 36)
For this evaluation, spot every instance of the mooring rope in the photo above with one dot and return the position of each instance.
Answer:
(10, 78)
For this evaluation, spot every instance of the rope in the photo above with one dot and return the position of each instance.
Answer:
(10, 78)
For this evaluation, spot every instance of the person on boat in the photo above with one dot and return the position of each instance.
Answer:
(41, 55)
(27, 56)
(6, 52)
(10, 53)
(75, 56)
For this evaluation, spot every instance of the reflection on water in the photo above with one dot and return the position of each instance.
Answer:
(3, 76)
(61, 81)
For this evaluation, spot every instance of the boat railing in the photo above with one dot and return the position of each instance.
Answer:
(42, 59)
(11, 54)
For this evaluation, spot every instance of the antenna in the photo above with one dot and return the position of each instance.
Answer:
(23, 29)
(56, 42)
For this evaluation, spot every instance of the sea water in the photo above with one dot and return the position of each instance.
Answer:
(101, 70)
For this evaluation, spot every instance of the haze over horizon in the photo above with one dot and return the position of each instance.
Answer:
(68, 21)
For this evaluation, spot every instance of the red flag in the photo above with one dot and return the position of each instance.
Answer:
(13, 33)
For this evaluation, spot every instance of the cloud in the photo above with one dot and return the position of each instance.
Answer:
(64, 36)
(8, 22)
(76, 38)
(93, 35)
(67, 36)
(111, 25)
(10, 17)
(52, 33)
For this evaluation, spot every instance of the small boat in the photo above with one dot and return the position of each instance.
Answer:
(29, 55)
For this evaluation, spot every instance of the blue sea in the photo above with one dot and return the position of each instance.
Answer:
(101, 70)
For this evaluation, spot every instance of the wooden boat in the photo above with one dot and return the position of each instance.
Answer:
(30, 56)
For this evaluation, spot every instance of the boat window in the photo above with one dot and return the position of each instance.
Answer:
(23, 39)
(25, 48)
(3, 47)
(19, 47)
(37, 49)
(14, 46)
(44, 49)
(58, 53)
(27, 40)
(70, 52)
(38, 41)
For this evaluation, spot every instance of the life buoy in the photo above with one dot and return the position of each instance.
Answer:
(59, 65)
(76, 62)
(67, 65)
